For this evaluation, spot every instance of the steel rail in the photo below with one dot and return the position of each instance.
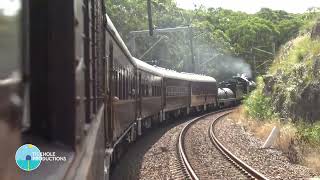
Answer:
(244, 167)
(181, 149)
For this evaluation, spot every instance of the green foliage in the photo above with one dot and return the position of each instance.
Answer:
(215, 31)
(293, 73)
(310, 133)
(292, 88)
(297, 56)
(287, 24)
(257, 105)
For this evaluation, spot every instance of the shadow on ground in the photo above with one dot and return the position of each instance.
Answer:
(128, 168)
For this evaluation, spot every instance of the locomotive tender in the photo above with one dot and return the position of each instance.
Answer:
(79, 92)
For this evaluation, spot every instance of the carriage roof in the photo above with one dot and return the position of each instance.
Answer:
(118, 38)
(147, 67)
(185, 76)
(168, 73)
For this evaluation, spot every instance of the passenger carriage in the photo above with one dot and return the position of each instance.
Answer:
(84, 96)
(149, 95)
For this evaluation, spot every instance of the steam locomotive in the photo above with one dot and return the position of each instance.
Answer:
(69, 85)
(233, 91)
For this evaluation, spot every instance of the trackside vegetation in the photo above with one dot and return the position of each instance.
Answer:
(290, 91)
(217, 35)
(289, 97)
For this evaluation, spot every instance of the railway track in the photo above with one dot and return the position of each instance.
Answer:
(195, 168)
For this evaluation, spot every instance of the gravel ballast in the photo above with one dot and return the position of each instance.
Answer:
(153, 156)
(270, 162)
(205, 159)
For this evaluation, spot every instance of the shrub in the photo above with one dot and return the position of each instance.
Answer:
(257, 105)
(310, 133)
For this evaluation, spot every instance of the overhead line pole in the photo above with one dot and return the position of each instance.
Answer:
(165, 30)
(143, 32)
(163, 37)
(193, 68)
(150, 18)
(261, 50)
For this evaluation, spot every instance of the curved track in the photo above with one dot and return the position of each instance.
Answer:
(186, 164)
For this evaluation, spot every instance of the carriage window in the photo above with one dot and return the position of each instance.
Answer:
(147, 89)
(177, 91)
(129, 85)
(157, 90)
(133, 85)
(142, 85)
(150, 89)
(142, 89)
(123, 83)
(114, 82)
(153, 90)
(120, 85)
(125, 88)
(117, 83)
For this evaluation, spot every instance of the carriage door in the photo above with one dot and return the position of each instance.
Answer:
(80, 26)
(139, 96)
(164, 92)
(111, 94)
(10, 83)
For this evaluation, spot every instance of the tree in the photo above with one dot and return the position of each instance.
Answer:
(215, 31)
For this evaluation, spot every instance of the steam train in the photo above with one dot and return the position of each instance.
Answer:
(69, 85)
(233, 91)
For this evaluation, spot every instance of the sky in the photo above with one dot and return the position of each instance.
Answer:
(252, 6)
(9, 7)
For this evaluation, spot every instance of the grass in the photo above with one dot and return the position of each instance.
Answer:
(290, 141)
(297, 53)
(262, 129)
(310, 133)
(312, 160)
(292, 75)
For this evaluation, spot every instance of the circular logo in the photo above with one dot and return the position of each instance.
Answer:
(28, 157)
